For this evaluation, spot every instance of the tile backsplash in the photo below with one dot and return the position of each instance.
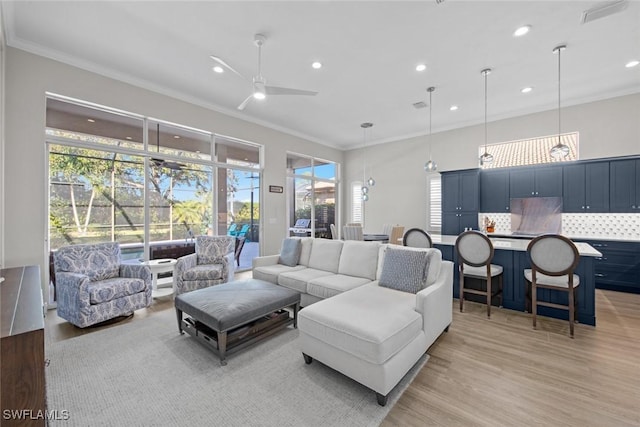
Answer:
(597, 225)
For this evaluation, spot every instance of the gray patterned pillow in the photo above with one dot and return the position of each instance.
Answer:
(404, 270)
(290, 253)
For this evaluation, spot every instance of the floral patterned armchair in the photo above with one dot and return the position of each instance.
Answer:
(212, 264)
(93, 286)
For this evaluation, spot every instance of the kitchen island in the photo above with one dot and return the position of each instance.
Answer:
(512, 255)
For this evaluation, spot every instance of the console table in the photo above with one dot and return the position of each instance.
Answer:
(22, 326)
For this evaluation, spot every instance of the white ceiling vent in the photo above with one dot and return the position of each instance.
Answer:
(418, 105)
(603, 9)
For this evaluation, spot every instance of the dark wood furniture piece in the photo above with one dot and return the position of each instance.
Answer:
(234, 315)
(22, 324)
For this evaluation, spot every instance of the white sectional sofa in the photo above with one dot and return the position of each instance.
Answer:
(352, 320)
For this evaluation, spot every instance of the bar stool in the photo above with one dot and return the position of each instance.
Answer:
(554, 258)
(417, 238)
(475, 252)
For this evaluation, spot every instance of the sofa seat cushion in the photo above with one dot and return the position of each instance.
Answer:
(203, 272)
(370, 322)
(270, 273)
(298, 279)
(329, 286)
(110, 289)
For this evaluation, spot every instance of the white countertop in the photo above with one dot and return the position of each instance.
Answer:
(584, 249)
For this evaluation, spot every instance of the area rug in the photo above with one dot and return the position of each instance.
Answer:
(144, 373)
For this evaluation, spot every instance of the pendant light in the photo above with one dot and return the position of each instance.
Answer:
(370, 181)
(486, 158)
(430, 166)
(559, 150)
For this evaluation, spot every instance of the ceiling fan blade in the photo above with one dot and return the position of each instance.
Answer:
(227, 66)
(274, 90)
(245, 102)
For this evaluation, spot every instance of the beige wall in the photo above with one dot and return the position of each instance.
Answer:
(29, 76)
(607, 128)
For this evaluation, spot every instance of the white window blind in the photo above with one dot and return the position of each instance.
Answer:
(356, 202)
(434, 196)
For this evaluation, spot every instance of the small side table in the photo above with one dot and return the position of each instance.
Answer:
(157, 266)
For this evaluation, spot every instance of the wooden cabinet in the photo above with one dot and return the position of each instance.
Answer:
(618, 269)
(22, 378)
(586, 187)
(460, 201)
(625, 185)
(494, 191)
(541, 181)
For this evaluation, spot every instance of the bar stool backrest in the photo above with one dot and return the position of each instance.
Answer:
(553, 255)
(474, 248)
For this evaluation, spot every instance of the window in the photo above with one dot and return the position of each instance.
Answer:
(434, 197)
(356, 203)
(529, 151)
(117, 176)
(312, 189)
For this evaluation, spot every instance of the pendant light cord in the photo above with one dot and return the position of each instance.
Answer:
(430, 108)
(485, 72)
(559, 114)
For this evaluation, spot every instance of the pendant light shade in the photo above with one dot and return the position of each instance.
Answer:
(370, 182)
(486, 158)
(560, 150)
(430, 166)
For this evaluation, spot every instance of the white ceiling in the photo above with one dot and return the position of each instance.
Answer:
(369, 50)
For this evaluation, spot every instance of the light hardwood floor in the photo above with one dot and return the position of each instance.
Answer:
(500, 372)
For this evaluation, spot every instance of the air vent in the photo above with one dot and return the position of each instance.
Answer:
(419, 105)
(603, 9)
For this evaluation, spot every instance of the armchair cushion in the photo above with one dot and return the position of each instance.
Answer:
(98, 261)
(107, 290)
(204, 272)
(212, 249)
(404, 270)
(290, 252)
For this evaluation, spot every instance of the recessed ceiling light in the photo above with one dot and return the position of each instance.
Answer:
(526, 89)
(632, 64)
(91, 120)
(218, 69)
(317, 65)
(176, 136)
(522, 30)
(421, 67)
(453, 108)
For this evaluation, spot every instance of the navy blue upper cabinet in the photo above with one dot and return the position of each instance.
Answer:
(586, 187)
(625, 185)
(494, 191)
(460, 201)
(543, 181)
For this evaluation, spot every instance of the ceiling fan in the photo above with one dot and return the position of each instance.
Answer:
(161, 163)
(259, 83)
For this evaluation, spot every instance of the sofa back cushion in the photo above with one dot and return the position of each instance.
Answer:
(305, 252)
(99, 261)
(404, 270)
(325, 254)
(290, 252)
(359, 259)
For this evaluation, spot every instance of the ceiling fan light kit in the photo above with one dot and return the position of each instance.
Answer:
(260, 89)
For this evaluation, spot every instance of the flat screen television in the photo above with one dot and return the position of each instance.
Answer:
(532, 216)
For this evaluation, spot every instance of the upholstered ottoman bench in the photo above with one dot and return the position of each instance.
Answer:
(234, 315)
